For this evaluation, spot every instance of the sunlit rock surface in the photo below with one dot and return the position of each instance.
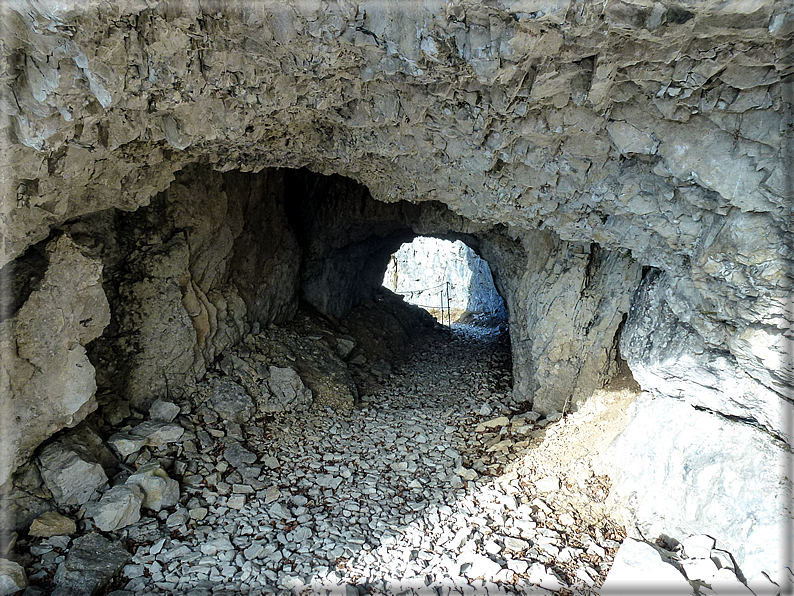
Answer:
(427, 267)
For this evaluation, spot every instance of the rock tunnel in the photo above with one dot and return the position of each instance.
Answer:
(178, 174)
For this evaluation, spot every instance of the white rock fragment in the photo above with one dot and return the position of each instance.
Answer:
(547, 485)
(698, 546)
(538, 575)
(491, 424)
(163, 411)
(639, 564)
(159, 491)
(118, 508)
(481, 566)
(70, 478)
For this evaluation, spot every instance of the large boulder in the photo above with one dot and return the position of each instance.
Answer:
(118, 508)
(159, 491)
(46, 379)
(70, 477)
(287, 390)
(719, 477)
(230, 401)
(90, 564)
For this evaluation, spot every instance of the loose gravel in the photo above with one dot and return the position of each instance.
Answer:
(429, 488)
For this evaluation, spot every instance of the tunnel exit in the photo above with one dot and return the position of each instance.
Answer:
(448, 279)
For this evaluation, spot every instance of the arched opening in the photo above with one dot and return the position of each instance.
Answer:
(446, 278)
(252, 305)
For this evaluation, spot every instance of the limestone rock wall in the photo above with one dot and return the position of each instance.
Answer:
(659, 129)
(566, 303)
(46, 379)
(188, 275)
(718, 476)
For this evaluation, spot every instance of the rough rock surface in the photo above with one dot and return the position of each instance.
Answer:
(92, 561)
(159, 491)
(52, 523)
(118, 508)
(12, 577)
(46, 380)
(640, 564)
(571, 136)
(70, 477)
(720, 477)
(288, 390)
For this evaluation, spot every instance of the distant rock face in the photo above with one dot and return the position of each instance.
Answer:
(611, 159)
(424, 268)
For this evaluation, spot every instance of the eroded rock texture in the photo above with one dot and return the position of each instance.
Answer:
(581, 141)
(46, 380)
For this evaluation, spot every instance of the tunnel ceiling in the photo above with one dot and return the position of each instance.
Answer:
(658, 128)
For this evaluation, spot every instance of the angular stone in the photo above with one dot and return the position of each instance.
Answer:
(517, 565)
(70, 478)
(494, 423)
(52, 523)
(159, 433)
(344, 346)
(126, 443)
(177, 518)
(230, 401)
(159, 491)
(272, 495)
(118, 508)
(466, 473)
(639, 564)
(236, 502)
(547, 485)
(90, 564)
(164, 411)
(288, 391)
(481, 566)
(329, 481)
(12, 577)
(545, 579)
(515, 544)
(698, 546)
(271, 462)
(238, 456)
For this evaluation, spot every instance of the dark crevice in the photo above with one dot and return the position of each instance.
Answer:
(748, 421)
(21, 277)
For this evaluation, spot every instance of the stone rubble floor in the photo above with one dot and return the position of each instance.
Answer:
(429, 488)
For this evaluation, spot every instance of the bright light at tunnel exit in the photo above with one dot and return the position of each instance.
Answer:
(444, 277)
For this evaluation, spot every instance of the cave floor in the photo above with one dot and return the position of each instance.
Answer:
(432, 486)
